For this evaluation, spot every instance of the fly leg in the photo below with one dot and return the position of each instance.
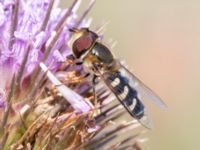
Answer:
(94, 94)
(94, 89)
(74, 76)
(73, 61)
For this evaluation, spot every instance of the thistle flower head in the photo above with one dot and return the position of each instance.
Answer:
(45, 99)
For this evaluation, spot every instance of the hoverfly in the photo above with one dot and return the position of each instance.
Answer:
(98, 60)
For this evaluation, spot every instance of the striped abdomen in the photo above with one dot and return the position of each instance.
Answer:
(125, 93)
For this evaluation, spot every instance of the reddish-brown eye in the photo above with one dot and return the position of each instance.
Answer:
(82, 44)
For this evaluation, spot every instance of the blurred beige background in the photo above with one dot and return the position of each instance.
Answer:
(160, 42)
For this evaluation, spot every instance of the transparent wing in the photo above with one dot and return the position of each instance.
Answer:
(141, 87)
(146, 120)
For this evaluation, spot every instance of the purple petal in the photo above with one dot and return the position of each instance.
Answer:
(2, 102)
(58, 56)
(40, 39)
(2, 15)
(23, 36)
(78, 102)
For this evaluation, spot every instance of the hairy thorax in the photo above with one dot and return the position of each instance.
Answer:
(99, 60)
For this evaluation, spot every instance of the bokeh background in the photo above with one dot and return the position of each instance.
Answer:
(160, 42)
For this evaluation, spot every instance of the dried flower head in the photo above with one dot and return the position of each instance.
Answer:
(46, 101)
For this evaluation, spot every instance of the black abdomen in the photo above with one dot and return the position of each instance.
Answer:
(126, 94)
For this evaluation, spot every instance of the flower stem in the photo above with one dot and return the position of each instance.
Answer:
(66, 15)
(92, 2)
(21, 70)
(14, 22)
(6, 114)
(48, 13)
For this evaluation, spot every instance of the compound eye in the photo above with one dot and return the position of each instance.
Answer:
(82, 40)
(81, 45)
